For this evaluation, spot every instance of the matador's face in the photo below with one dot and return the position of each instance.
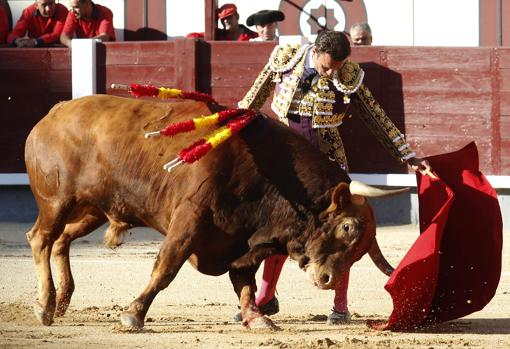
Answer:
(325, 64)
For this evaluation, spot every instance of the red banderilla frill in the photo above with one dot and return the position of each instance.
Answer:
(202, 146)
(196, 123)
(138, 90)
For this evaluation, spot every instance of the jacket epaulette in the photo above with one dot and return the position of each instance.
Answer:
(285, 57)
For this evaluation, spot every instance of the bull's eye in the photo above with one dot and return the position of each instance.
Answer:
(346, 227)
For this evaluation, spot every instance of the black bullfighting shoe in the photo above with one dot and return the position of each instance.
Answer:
(270, 308)
(338, 317)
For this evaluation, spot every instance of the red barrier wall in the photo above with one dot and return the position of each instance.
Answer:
(160, 63)
(448, 97)
(31, 82)
(442, 98)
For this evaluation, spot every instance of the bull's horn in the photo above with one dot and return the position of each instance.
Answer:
(378, 259)
(363, 189)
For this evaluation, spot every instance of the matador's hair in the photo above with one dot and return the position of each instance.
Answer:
(334, 43)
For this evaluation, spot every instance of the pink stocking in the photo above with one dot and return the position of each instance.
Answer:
(272, 267)
(340, 302)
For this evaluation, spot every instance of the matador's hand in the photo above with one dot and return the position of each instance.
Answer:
(422, 165)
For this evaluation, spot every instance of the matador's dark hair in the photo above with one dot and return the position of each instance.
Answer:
(334, 43)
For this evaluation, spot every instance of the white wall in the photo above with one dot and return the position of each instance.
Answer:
(404, 22)
(446, 22)
(17, 7)
(190, 14)
(424, 22)
(393, 22)
(183, 17)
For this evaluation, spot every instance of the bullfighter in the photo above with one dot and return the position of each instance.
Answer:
(314, 88)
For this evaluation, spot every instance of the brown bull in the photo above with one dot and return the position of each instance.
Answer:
(264, 192)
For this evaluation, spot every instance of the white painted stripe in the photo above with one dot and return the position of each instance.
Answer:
(409, 180)
(499, 181)
(389, 179)
(392, 179)
(13, 179)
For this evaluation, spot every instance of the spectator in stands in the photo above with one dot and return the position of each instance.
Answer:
(40, 24)
(4, 25)
(88, 20)
(232, 30)
(361, 34)
(265, 22)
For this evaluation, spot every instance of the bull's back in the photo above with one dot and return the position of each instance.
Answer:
(96, 141)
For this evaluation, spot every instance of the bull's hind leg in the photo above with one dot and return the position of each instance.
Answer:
(175, 250)
(48, 227)
(90, 219)
(243, 281)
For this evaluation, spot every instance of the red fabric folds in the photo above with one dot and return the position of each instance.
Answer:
(454, 266)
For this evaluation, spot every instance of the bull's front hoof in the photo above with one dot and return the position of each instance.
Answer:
(261, 322)
(130, 320)
(61, 308)
(43, 316)
(63, 299)
(60, 311)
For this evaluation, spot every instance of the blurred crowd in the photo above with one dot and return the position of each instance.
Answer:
(49, 23)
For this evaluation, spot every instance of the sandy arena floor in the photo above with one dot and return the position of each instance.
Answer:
(196, 310)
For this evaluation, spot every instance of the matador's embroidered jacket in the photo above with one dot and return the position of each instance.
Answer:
(326, 102)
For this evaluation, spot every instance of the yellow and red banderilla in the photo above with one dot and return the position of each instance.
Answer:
(196, 123)
(138, 90)
(239, 119)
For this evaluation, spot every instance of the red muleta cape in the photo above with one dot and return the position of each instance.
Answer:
(454, 267)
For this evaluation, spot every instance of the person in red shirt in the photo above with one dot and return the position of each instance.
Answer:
(4, 25)
(40, 24)
(232, 30)
(88, 20)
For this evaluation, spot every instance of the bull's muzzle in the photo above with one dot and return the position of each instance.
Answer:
(320, 277)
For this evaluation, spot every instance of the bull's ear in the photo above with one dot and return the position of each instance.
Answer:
(340, 198)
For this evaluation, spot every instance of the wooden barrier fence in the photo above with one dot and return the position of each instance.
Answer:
(441, 98)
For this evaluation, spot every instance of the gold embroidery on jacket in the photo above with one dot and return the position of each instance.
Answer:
(318, 102)
(282, 101)
(331, 145)
(380, 124)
